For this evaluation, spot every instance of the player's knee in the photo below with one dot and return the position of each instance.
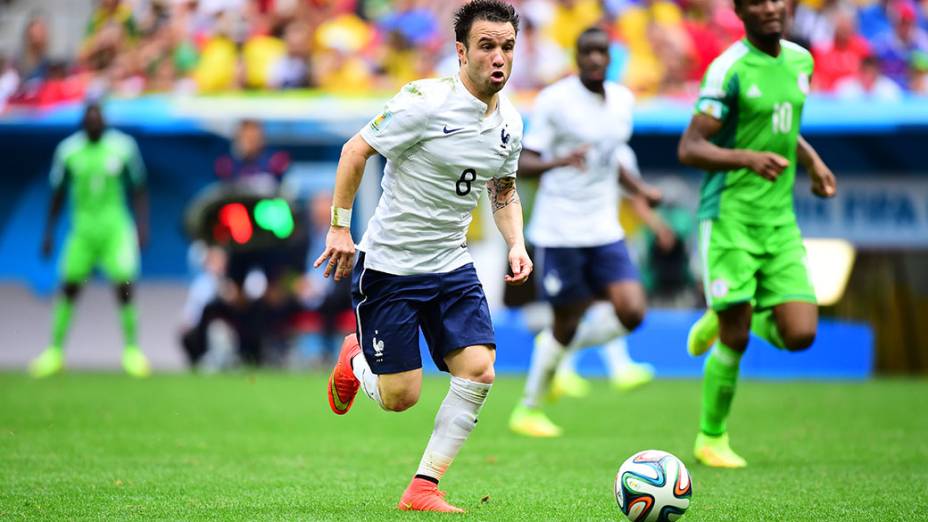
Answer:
(630, 317)
(737, 341)
(71, 291)
(400, 400)
(124, 293)
(564, 331)
(799, 341)
(483, 374)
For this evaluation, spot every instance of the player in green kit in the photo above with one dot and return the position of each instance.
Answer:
(745, 135)
(92, 163)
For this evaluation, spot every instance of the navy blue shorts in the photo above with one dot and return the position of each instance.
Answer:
(450, 308)
(575, 274)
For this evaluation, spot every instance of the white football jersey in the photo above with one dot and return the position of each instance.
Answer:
(579, 207)
(440, 151)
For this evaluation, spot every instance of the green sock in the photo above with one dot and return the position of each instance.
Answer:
(764, 325)
(718, 388)
(61, 321)
(129, 318)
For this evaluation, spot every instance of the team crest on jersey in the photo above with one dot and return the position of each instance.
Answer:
(381, 121)
(803, 83)
(411, 88)
(504, 137)
(719, 288)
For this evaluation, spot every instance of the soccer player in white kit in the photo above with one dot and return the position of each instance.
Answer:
(444, 141)
(577, 142)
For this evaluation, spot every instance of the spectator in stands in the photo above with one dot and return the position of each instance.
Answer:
(673, 48)
(868, 83)
(708, 43)
(657, 45)
(813, 23)
(256, 296)
(416, 24)
(218, 66)
(570, 18)
(873, 18)
(895, 48)
(538, 61)
(292, 70)
(338, 62)
(919, 68)
(249, 155)
(33, 61)
(260, 54)
(842, 56)
(400, 61)
(111, 30)
(9, 80)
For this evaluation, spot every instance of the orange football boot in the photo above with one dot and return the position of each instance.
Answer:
(343, 385)
(424, 495)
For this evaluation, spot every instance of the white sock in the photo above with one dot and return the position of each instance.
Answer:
(456, 418)
(598, 326)
(615, 355)
(545, 358)
(368, 378)
(568, 362)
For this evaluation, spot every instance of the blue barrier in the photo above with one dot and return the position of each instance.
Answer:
(311, 114)
(842, 350)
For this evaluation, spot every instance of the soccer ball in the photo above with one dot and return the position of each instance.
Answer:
(652, 486)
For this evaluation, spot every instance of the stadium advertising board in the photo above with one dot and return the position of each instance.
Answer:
(872, 211)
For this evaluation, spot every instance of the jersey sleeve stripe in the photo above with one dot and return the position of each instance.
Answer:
(795, 47)
(60, 159)
(714, 86)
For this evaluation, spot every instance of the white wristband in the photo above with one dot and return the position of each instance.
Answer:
(341, 217)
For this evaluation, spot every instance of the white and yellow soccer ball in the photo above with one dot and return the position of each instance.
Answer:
(653, 486)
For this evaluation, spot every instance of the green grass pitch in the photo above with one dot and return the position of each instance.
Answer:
(265, 446)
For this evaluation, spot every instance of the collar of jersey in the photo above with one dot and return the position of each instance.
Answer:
(491, 121)
(765, 56)
(583, 91)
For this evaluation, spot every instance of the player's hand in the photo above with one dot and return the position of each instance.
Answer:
(824, 184)
(767, 165)
(46, 247)
(665, 238)
(577, 158)
(339, 251)
(520, 265)
(651, 194)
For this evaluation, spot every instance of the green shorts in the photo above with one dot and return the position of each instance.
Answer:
(762, 264)
(114, 249)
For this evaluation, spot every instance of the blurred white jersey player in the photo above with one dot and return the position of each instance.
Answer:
(445, 140)
(577, 141)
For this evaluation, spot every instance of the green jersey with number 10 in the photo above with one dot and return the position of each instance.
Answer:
(759, 99)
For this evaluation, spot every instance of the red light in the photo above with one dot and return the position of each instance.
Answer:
(235, 217)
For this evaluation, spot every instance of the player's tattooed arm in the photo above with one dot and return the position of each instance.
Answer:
(507, 213)
(502, 192)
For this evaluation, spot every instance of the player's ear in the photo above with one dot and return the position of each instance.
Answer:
(462, 53)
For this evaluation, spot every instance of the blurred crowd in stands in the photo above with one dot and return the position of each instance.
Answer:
(660, 47)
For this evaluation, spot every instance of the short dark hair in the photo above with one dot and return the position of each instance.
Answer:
(489, 10)
(93, 104)
(593, 29)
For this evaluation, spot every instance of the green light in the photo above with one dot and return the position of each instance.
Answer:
(274, 215)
